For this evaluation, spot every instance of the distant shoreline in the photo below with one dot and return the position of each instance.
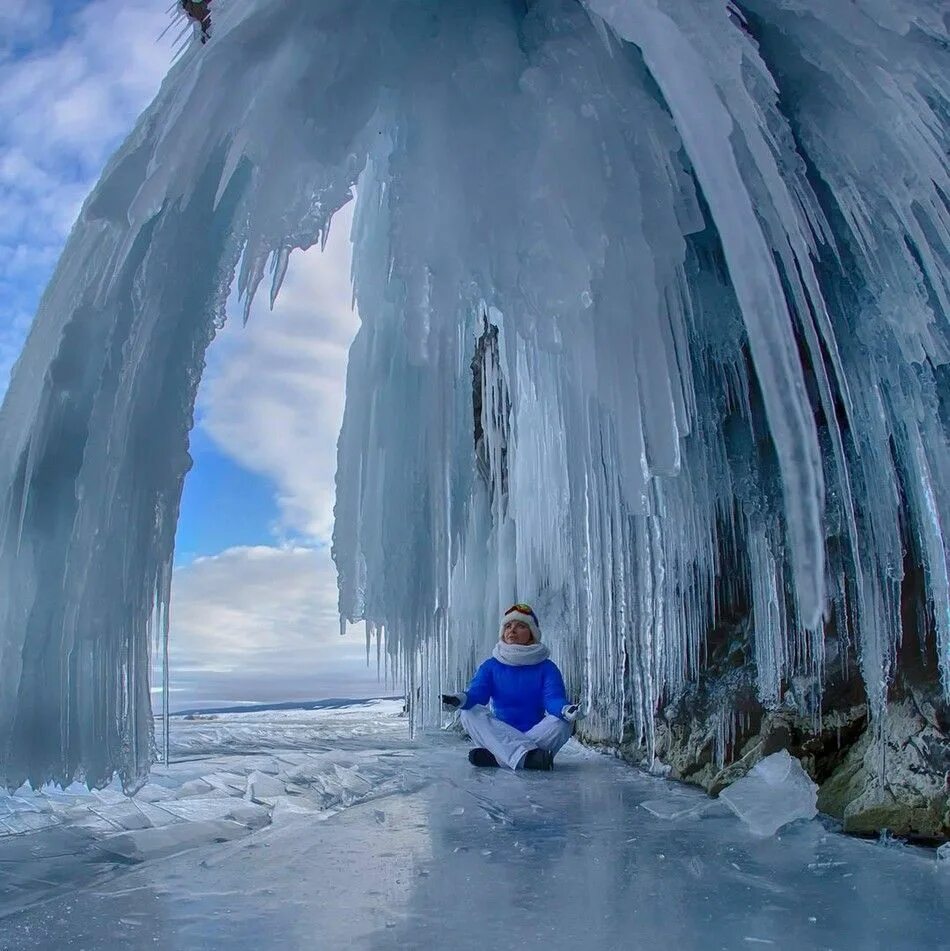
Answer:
(330, 703)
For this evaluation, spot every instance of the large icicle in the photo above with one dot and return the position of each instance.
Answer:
(688, 207)
(655, 331)
(94, 427)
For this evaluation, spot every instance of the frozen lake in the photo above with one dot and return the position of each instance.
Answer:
(330, 829)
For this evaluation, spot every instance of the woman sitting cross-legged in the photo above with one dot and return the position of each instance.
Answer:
(531, 717)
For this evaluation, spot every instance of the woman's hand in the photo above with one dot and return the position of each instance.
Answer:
(571, 712)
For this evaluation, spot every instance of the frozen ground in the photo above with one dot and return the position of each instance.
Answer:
(330, 829)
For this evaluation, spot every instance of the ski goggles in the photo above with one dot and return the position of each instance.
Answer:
(522, 609)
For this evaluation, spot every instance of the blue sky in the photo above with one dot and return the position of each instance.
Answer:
(254, 595)
(223, 505)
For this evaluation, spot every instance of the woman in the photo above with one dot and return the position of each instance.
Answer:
(531, 717)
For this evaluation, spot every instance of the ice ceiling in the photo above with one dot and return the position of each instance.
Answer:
(655, 308)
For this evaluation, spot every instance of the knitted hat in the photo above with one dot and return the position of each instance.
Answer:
(525, 614)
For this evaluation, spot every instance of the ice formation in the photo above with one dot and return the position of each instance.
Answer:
(655, 319)
(775, 791)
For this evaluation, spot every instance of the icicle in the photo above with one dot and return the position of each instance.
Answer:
(654, 326)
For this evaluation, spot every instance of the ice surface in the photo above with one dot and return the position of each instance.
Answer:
(563, 860)
(773, 793)
(654, 305)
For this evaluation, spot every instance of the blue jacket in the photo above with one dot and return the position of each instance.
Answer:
(520, 696)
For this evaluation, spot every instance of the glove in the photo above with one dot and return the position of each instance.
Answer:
(571, 712)
(451, 701)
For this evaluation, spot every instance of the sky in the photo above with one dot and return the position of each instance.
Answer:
(254, 593)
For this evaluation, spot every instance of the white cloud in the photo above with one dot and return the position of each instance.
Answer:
(261, 624)
(273, 394)
(23, 21)
(74, 99)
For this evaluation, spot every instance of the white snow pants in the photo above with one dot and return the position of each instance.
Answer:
(508, 744)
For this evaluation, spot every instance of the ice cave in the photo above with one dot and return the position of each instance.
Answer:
(655, 335)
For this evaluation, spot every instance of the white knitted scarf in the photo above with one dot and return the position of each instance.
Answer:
(520, 655)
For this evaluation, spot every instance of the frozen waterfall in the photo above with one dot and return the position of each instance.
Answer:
(655, 303)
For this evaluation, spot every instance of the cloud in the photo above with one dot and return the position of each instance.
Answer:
(68, 96)
(273, 394)
(23, 22)
(260, 624)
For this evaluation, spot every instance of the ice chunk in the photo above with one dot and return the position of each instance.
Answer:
(286, 807)
(943, 857)
(679, 804)
(123, 815)
(87, 820)
(251, 815)
(194, 787)
(775, 791)
(146, 844)
(110, 795)
(233, 784)
(158, 816)
(198, 807)
(74, 795)
(260, 787)
(150, 792)
(17, 804)
(18, 822)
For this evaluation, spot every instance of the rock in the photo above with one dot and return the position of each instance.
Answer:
(914, 799)
(715, 729)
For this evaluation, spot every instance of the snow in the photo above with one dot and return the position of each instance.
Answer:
(702, 260)
(431, 852)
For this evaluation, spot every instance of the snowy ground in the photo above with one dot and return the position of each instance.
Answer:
(329, 829)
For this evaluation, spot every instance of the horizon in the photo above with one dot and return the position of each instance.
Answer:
(249, 706)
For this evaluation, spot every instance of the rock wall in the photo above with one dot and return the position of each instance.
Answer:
(892, 775)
